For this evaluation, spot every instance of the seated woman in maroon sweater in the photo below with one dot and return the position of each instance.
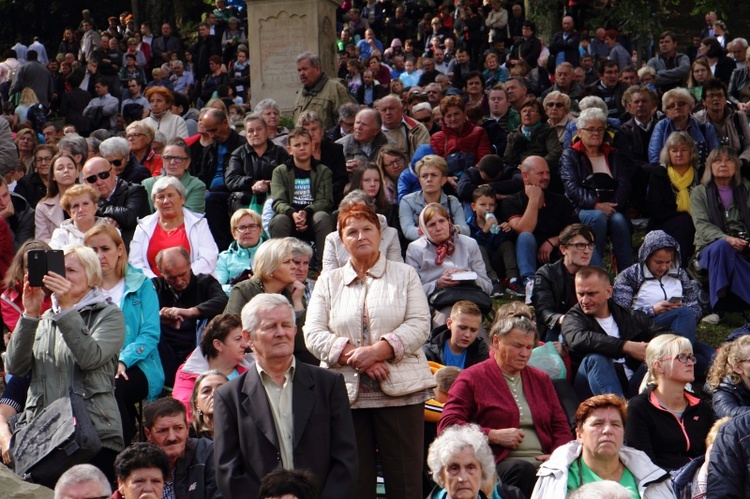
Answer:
(515, 405)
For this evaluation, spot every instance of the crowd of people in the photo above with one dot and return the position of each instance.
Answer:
(253, 310)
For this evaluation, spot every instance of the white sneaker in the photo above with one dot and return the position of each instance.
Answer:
(712, 319)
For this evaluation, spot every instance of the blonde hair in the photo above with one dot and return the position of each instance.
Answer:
(664, 346)
(728, 356)
(88, 260)
(28, 97)
(269, 256)
(434, 161)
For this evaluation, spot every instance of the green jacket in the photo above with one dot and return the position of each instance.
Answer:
(325, 98)
(705, 231)
(321, 186)
(195, 192)
(47, 348)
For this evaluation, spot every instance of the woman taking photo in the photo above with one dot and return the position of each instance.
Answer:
(379, 354)
(140, 375)
(247, 230)
(222, 348)
(719, 207)
(34, 187)
(392, 161)
(202, 403)
(172, 225)
(336, 255)
(599, 188)
(49, 213)
(515, 405)
(669, 188)
(729, 379)
(140, 138)
(82, 331)
(598, 454)
(666, 421)
(80, 202)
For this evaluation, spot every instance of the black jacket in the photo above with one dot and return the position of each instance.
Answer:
(433, 349)
(731, 400)
(32, 188)
(554, 295)
(332, 155)
(378, 92)
(661, 196)
(729, 472)
(21, 223)
(194, 472)
(509, 183)
(561, 44)
(127, 204)
(583, 335)
(246, 168)
(637, 141)
(134, 172)
(210, 154)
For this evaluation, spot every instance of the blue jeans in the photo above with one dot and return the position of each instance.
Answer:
(526, 255)
(683, 322)
(619, 230)
(596, 375)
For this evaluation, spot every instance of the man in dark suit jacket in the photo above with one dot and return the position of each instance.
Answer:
(370, 91)
(282, 413)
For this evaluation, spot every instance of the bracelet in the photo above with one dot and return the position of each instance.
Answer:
(550, 243)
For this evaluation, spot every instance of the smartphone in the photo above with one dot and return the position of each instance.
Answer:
(675, 299)
(41, 262)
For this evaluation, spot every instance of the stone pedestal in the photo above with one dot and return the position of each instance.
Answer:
(280, 30)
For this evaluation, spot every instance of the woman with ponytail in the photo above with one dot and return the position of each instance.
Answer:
(667, 421)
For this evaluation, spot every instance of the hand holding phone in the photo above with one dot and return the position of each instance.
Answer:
(675, 299)
(42, 262)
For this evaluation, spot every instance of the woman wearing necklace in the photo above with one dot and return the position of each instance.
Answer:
(515, 405)
(172, 225)
(598, 454)
(666, 421)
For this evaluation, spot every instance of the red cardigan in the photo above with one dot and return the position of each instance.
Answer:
(473, 139)
(480, 395)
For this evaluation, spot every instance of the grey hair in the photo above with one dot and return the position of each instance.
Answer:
(677, 93)
(166, 182)
(556, 94)
(357, 196)
(503, 327)
(114, 145)
(76, 145)
(741, 41)
(597, 490)
(422, 106)
(676, 139)
(178, 63)
(300, 248)
(93, 144)
(589, 115)
(309, 56)
(81, 473)
(255, 116)
(452, 441)
(265, 104)
(593, 101)
(252, 311)
(167, 253)
(348, 110)
(646, 70)
(268, 257)
(309, 117)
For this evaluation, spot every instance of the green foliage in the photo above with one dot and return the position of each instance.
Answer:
(286, 121)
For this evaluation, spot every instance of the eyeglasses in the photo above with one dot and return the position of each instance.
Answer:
(174, 159)
(676, 104)
(684, 358)
(247, 228)
(117, 162)
(594, 130)
(555, 104)
(44, 159)
(714, 96)
(423, 120)
(102, 175)
(133, 136)
(581, 246)
(395, 162)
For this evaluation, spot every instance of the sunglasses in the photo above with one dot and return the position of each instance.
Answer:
(102, 175)
(117, 162)
(555, 104)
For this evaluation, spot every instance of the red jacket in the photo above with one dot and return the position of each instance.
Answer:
(473, 139)
(481, 395)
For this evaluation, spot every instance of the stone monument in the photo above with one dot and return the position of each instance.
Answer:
(278, 31)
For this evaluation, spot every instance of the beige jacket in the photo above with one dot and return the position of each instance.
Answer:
(398, 313)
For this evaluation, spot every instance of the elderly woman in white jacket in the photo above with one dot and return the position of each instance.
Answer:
(336, 255)
(172, 225)
(369, 320)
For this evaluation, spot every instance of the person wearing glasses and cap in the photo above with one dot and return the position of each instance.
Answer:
(121, 202)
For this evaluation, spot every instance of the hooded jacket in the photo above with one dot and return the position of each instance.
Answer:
(637, 288)
(433, 349)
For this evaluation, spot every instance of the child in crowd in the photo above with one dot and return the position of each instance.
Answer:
(240, 71)
(457, 342)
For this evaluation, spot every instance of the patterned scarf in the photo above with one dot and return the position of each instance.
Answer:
(682, 183)
(446, 248)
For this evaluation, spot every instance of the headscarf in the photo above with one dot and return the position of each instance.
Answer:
(447, 247)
